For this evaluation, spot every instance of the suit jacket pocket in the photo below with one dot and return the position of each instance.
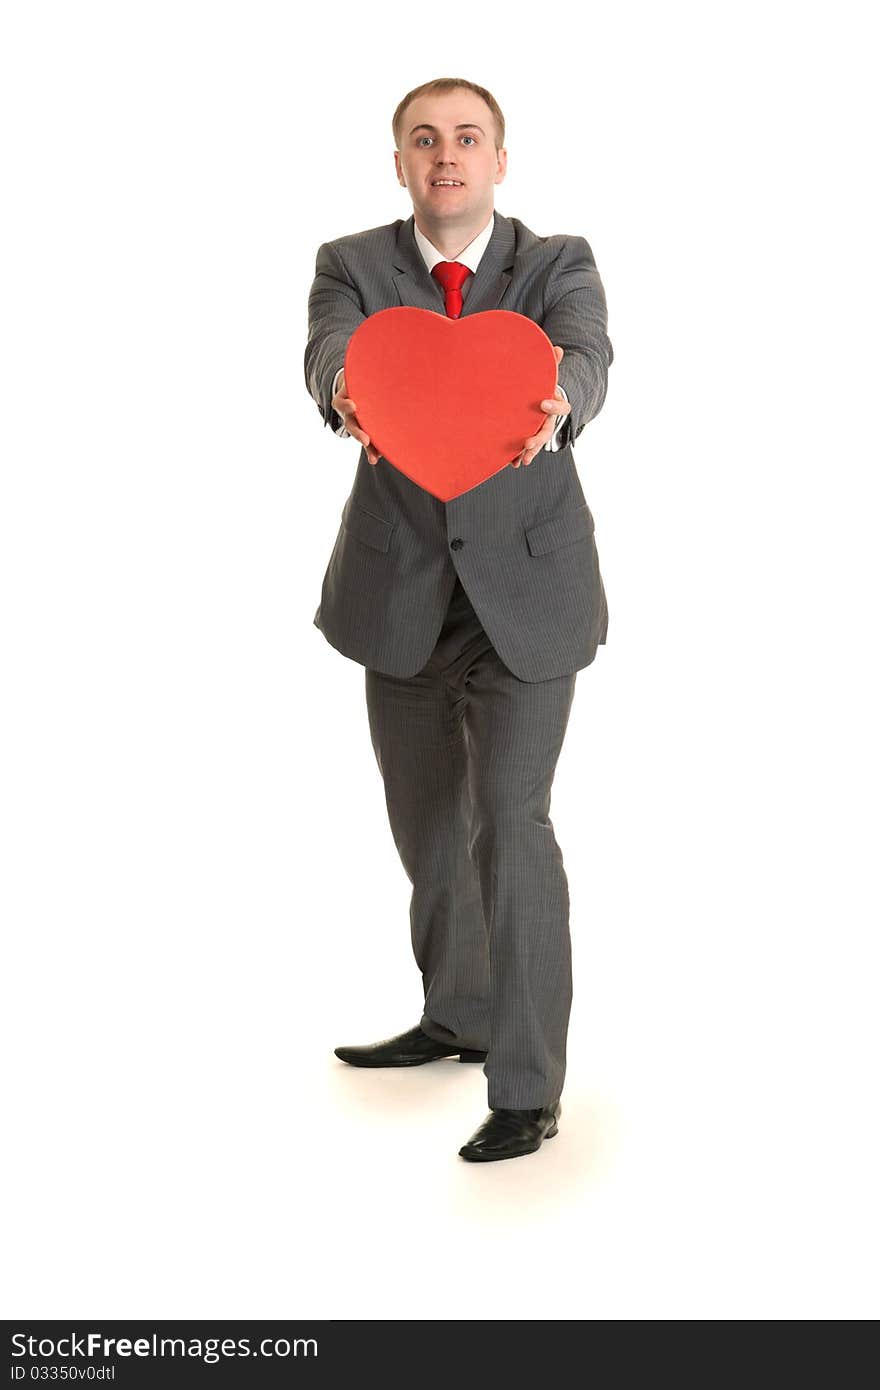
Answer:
(559, 530)
(373, 530)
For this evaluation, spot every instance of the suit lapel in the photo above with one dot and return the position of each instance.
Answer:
(418, 288)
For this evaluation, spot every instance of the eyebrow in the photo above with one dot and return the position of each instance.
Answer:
(468, 125)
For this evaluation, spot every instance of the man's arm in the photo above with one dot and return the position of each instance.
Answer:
(335, 311)
(576, 319)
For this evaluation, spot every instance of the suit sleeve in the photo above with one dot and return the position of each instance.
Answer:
(576, 319)
(335, 311)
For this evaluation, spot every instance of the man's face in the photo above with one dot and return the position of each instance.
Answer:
(450, 136)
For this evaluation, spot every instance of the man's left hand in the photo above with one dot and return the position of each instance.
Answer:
(558, 406)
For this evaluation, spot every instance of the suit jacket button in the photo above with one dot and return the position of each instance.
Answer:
(457, 543)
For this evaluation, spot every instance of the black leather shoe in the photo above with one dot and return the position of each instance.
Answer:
(509, 1133)
(405, 1050)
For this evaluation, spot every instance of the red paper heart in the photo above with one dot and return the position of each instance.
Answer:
(449, 402)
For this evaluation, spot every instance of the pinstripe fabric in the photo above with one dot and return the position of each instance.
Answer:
(524, 540)
(467, 754)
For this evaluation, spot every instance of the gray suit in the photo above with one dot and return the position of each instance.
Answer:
(472, 618)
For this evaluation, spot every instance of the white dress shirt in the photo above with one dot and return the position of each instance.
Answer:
(470, 256)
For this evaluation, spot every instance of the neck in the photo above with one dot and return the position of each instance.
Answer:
(451, 238)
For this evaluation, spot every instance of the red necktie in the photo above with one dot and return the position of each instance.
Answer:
(452, 275)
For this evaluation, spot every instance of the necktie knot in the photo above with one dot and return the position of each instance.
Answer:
(451, 275)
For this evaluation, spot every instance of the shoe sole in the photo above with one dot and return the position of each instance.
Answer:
(474, 1155)
(412, 1061)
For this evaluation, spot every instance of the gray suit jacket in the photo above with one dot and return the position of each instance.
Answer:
(522, 542)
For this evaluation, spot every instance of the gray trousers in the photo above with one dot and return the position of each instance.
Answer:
(467, 754)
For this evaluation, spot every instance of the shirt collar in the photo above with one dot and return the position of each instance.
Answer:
(471, 254)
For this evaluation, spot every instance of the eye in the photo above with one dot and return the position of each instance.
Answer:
(473, 138)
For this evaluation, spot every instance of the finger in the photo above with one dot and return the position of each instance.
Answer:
(537, 441)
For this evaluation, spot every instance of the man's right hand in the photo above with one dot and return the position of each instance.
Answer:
(346, 407)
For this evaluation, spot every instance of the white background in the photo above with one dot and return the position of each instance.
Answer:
(201, 893)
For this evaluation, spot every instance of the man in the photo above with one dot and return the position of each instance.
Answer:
(471, 617)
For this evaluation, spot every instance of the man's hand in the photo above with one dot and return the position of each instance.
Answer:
(558, 406)
(346, 408)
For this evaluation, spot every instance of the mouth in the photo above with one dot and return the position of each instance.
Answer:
(446, 183)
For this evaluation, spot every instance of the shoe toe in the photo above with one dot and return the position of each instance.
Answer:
(507, 1134)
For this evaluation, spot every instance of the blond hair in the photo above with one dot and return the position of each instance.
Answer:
(449, 84)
